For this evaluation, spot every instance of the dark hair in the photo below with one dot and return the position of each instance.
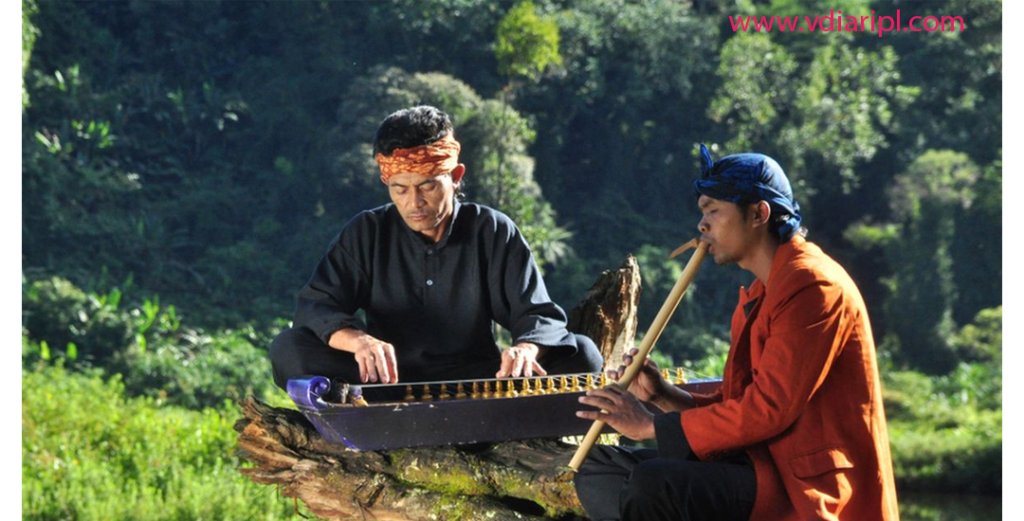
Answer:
(775, 222)
(410, 127)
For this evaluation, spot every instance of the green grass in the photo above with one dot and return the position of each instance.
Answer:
(90, 453)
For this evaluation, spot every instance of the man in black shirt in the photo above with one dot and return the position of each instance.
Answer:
(431, 275)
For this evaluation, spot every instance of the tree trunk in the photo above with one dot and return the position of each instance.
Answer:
(607, 314)
(516, 480)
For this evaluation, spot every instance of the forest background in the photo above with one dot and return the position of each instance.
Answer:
(185, 163)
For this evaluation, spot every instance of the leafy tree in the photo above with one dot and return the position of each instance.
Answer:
(527, 44)
(925, 198)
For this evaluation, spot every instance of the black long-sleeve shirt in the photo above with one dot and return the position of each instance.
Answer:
(435, 302)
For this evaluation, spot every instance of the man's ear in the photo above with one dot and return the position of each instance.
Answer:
(762, 212)
(458, 173)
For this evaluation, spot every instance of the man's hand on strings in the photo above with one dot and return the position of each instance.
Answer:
(376, 358)
(521, 360)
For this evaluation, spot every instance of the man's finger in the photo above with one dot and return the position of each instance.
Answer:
(371, 368)
(506, 365)
(380, 361)
(593, 415)
(598, 402)
(603, 393)
(517, 369)
(539, 369)
(392, 362)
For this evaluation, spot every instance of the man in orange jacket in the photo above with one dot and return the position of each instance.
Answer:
(797, 429)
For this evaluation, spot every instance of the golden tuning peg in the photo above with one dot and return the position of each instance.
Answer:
(591, 382)
(537, 387)
(408, 394)
(510, 389)
(460, 392)
(680, 379)
(564, 385)
(443, 394)
(604, 379)
(476, 391)
(426, 394)
(526, 387)
(576, 384)
(487, 390)
(551, 385)
(664, 375)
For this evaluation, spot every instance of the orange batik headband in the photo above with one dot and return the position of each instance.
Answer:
(437, 158)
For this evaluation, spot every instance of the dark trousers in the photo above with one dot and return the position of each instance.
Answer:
(298, 351)
(634, 484)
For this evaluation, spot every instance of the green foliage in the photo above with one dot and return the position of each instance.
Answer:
(821, 115)
(56, 312)
(199, 370)
(866, 236)
(29, 33)
(944, 177)
(846, 106)
(946, 431)
(146, 345)
(933, 506)
(758, 84)
(982, 340)
(161, 143)
(925, 198)
(89, 453)
(527, 44)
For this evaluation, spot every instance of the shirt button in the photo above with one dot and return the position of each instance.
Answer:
(430, 282)
(430, 252)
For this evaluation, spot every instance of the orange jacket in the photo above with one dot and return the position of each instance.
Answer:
(801, 395)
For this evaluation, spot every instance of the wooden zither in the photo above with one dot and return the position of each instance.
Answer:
(380, 417)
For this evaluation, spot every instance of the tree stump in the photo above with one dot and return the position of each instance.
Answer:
(515, 480)
(607, 314)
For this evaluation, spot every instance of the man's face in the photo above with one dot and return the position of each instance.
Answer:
(725, 230)
(425, 203)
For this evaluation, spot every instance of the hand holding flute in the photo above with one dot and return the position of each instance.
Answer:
(624, 411)
(635, 417)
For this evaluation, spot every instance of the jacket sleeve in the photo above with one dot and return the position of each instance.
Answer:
(337, 289)
(519, 298)
(807, 330)
(702, 399)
